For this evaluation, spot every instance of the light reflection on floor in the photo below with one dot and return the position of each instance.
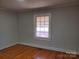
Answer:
(39, 57)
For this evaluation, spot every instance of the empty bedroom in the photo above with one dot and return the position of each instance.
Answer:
(39, 29)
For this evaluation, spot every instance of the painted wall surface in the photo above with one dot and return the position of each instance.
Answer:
(64, 28)
(8, 29)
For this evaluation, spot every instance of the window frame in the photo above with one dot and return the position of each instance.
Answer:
(42, 38)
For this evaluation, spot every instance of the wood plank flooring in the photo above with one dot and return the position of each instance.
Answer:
(20, 51)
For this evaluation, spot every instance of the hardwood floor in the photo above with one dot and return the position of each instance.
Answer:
(27, 52)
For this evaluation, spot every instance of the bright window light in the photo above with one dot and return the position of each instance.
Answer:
(42, 26)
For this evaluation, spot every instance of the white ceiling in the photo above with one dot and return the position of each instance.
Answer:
(30, 4)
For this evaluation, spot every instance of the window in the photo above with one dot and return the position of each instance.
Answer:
(42, 26)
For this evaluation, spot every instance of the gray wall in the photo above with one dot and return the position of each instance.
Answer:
(65, 28)
(8, 28)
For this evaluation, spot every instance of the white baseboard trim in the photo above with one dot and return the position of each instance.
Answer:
(44, 47)
(8, 45)
(51, 48)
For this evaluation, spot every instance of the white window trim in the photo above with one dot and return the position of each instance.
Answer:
(50, 34)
